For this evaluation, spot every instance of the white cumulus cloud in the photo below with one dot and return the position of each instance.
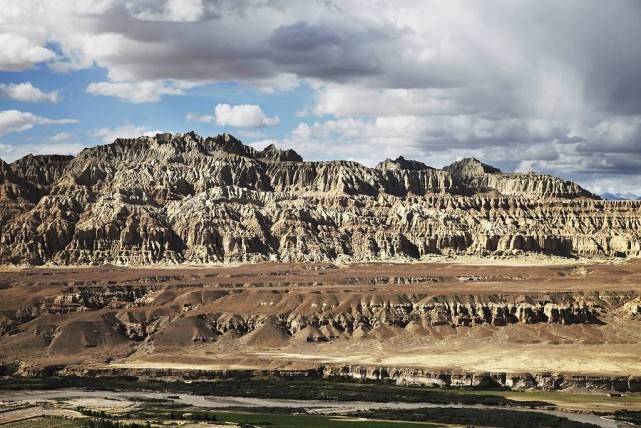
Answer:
(26, 92)
(60, 137)
(204, 118)
(242, 116)
(184, 10)
(11, 152)
(20, 53)
(529, 78)
(16, 121)
(108, 135)
(142, 91)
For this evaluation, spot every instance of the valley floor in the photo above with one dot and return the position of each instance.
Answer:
(169, 406)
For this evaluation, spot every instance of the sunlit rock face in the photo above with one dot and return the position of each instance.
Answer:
(182, 198)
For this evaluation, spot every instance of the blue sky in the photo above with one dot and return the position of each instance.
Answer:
(541, 85)
(97, 112)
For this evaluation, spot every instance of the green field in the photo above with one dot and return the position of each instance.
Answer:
(259, 419)
(309, 421)
(279, 388)
(163, 410)
(45, 422)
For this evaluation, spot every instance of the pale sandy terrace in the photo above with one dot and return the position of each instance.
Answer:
(607, 360)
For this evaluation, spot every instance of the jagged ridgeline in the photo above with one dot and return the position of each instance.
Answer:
(182, 198)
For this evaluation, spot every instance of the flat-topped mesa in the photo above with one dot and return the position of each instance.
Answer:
(402, 163)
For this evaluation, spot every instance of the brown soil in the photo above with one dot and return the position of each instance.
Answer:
(43, 327)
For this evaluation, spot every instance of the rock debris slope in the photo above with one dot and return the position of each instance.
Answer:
(183, 198)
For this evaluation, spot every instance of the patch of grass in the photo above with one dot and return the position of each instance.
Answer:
(150, 400)
(62, 422)
(311, 421)
(383, 418)
(269, 417)
(44, 422)
(574, 398)
(483, 417)
(628, 416)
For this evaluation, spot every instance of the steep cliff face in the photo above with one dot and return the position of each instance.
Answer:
(185, 198)
(398, 375)
(17, 194)
(538, 381)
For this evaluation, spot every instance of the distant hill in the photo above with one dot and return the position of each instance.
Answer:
(620, 196)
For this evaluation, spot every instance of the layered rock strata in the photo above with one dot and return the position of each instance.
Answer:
(367, 321)
(401, 376)
(187, 199)
(313, 316)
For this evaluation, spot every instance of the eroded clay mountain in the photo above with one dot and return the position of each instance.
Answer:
(572, 326)
(186, 199)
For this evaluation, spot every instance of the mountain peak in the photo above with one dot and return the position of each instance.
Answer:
(620, 196)
(470, 166)
(272, 153)
(402, 163)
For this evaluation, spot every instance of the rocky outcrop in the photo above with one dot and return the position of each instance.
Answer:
(42, 170)
(385, 322)
(313, 317)
(446, 378)
(470, 167)
(187, 199)
(402, 376)
(323, 318)
(17, 194)
(402, 163)
(477, 177)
